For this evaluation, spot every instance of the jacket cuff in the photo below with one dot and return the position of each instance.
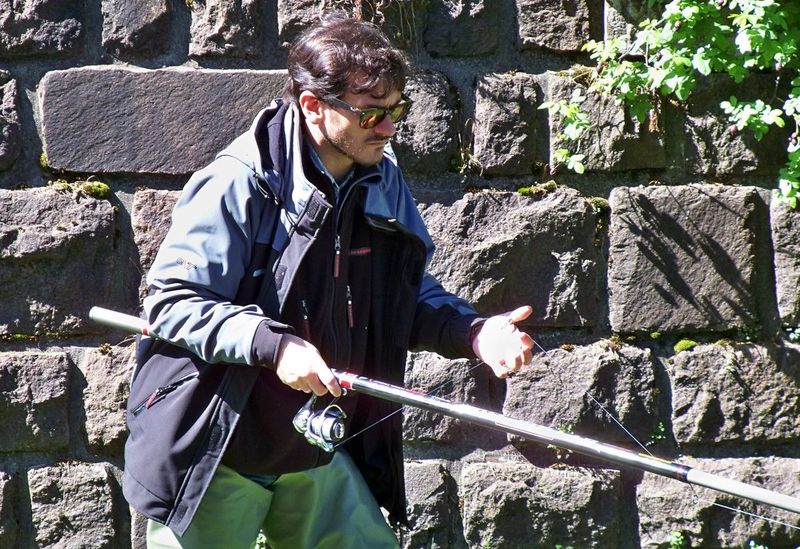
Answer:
(267, 344)
(460, 332)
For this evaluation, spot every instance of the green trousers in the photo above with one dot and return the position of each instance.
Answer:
(326, 507)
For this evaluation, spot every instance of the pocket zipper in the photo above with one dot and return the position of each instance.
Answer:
(162, 391)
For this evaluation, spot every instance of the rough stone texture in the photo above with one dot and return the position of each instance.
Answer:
(427, 140)
(136, 28)
(635, 11)
(456, 381)
(498, 250)
(56, 260)
(712, 147)
(9, 519)
(30, 27)
(10, 138)
(786, 243)
(74, 505)
(736, 393)
(462, 28)
(150, 219)
(621, 378)
(509, 132)
(616, 141)
(175, 120)
(107, 374)
(398, 19)
(227, 28)
(688, 253)
(505, 503)
(553, 24)
(432, 497)
(615, 26)
(294, 16)
(34, 402)
(667, 506)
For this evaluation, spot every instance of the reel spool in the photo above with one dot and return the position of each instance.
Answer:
(322, 428)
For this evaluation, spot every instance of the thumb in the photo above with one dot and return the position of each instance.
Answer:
(520, 313)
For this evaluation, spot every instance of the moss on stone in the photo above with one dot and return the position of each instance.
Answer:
(685, 345)
(95, 189)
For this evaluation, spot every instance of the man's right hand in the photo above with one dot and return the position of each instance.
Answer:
(301, 367)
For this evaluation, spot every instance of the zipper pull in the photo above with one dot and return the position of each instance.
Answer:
(350, 307)
(337, 257)
(306, 320)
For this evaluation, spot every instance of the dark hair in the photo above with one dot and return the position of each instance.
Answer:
(340, 54)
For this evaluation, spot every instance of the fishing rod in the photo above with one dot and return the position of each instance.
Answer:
(324, 429)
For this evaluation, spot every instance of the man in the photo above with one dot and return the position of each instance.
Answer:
(298, 250)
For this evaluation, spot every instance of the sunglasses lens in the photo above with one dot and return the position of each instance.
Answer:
(398, 112)
(370, 118)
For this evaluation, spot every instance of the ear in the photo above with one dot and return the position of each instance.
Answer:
(311, 106)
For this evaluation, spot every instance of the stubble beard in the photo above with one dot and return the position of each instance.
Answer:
(347, 147)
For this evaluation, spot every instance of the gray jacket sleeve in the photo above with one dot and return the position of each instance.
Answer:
(199, 266)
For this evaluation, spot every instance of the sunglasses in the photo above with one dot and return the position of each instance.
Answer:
(371, 117)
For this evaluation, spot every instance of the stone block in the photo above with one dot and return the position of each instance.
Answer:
(499, 250)
(427, 140)
(682, 258)
(228, 28)
(150, 218)
(616, 26)
(433, 512)
(34, 402)
(107, 373)
(509, 132)
(785, 224)
(711, 145)
(294, 16)
(635, 12)
(167, 121)
(56, 260)
(616, 141)
(588, 379)
(76, 505)
(400, 20)
(507, 505)
(136, 28)
(9, 521)
(462, 28)
(736, 393)
(554, 24)
(40, 27)
(457, 381)
(667, 506)
(10, 138)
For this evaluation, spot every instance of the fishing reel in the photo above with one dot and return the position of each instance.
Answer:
(323, 428)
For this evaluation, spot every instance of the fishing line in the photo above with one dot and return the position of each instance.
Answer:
(696, 497)
(432, 392)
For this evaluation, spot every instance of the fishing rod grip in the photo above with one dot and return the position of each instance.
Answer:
(122, 321)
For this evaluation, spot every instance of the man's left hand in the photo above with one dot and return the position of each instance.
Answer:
(502, 345)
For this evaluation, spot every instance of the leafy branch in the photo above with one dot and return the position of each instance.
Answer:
(695, 38)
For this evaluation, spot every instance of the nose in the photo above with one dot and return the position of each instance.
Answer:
(385, 128)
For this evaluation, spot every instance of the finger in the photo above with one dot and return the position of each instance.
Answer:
(527, 356)
(316, 385)
(329, 380)
(520, 313)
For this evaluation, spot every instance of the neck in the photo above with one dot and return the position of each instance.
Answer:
(337, 163)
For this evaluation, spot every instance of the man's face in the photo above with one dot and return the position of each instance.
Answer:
(351, 142)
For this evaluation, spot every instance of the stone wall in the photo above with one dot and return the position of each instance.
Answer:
(672, 234)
